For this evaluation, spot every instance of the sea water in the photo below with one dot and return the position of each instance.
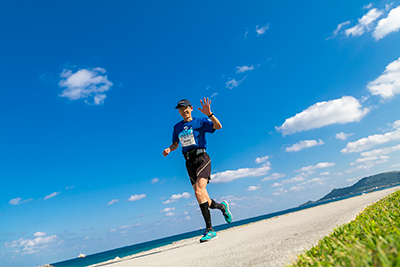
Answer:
(137, 248)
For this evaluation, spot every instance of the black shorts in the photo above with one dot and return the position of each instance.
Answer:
(199, 167)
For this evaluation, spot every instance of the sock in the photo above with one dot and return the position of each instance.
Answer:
(206, 214)
(216, 205)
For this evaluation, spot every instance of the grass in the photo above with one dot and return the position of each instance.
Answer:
(372, 239)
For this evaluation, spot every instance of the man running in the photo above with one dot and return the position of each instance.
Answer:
(190, 132)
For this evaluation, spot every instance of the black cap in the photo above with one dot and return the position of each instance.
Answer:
(183, 103)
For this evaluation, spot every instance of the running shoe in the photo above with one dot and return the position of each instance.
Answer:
(227, 214)
(208, 235)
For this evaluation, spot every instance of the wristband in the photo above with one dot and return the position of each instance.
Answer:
(212, 114)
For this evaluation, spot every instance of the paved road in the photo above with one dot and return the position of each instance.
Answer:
(271, 242)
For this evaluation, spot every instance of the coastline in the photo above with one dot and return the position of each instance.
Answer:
(270, 242)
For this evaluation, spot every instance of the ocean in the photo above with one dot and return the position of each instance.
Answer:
(137, 248)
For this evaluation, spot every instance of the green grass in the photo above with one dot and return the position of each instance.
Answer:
(372, 239)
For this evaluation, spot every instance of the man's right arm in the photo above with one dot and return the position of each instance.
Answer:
(172, 147)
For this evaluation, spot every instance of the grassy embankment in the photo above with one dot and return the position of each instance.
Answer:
(372, 239)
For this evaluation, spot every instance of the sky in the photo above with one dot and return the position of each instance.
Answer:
(307, 95)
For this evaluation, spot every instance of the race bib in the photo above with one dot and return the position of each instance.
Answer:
(187, 138)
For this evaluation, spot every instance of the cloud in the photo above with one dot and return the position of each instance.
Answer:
(154, 180)
(304, 144)
(31, 246)
(233, 83)
(388, 84)
(244, 68)
(261, 159)
(309, 184)
(279, 192)
(365, 23)
(320, 165)
(39, 234)
(381, 151)
(388, 25)
(273, 176)
(136, 197)
(339, 27)
(368, 165)
(51, 195)
(344, 110)
(297, 178)
(231, 175)
(262, 30)
(85, 84)
(168, 210)
(343, 136)
(371, 141)
(112, 202)
(366, 159)
(325, 173)
(214, 94)
(176, 197)
(395, 165)
(18, 201)
(170, 214)
(253, 188)
(369, 6)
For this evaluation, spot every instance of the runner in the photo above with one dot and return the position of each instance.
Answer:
(190, 132)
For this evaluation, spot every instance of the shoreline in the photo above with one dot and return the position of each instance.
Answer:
(178, 253)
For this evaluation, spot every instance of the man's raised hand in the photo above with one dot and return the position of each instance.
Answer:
(205, 107)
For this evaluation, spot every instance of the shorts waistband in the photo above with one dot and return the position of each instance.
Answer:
(194, 152)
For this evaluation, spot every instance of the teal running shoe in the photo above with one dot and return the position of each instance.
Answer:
(227, 214)
(208, 235)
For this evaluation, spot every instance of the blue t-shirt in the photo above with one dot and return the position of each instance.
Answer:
(192, 134)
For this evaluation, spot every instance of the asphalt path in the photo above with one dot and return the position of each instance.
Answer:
(271, 242)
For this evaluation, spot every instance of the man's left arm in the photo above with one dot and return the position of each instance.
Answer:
(206, 110)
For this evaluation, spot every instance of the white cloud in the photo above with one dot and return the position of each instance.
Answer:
(51, 195)
(85, 84)
(325, 173)
(371, 141)
(253, 188)
(39, 234)
(31, 246)
(395, 165)
(344, 110)
(273, 176)
(362, 160)
(280, 191)
(309, 184)
(320, 165)
(352, 180)
(388, 84)
(369, 6)
(365, 23)
(261, 159)
(262, 30)
(304, 144)
(168, 210)
(154, 180)
(170, 214)
(298, 178)
(136, 197)
(338, 28)
(18, 201)
(244, 68)
(176, 197)
(343, 136)
(112, 202)
(232, 83)
(381, 151)
(388, 25)
(214, 94)
(231, 175)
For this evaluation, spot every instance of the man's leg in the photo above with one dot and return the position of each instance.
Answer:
(203, 199)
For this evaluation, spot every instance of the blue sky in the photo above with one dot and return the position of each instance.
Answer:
(307, 94)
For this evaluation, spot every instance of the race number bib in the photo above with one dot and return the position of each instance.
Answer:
(187, 138)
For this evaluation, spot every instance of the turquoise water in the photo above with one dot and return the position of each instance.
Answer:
(137, 248)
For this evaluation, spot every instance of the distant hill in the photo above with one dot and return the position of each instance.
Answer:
(366, 184)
